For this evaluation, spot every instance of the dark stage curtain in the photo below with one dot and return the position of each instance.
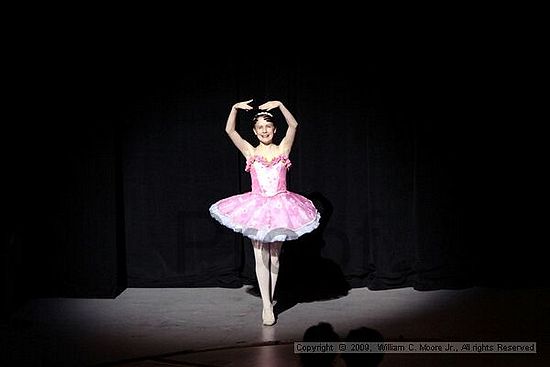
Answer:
(64, 234)
(376, 150)
(114, 157)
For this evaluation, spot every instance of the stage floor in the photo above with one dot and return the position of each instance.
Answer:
(222, 327)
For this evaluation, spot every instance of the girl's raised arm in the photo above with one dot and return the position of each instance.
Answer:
(244, 147)
(288, 140)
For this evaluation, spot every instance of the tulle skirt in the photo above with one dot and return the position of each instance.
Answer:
(282, 217)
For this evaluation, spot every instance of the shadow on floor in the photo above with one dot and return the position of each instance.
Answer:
(304, 274)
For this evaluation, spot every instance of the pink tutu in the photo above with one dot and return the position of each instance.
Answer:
(269, 212)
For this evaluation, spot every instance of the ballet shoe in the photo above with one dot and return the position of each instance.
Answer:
(268, 316)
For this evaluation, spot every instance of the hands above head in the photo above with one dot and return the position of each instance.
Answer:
(243, 105)
(270, 105)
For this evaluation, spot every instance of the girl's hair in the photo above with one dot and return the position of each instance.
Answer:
(267, 116)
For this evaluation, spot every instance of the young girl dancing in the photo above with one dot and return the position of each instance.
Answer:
(269, 214)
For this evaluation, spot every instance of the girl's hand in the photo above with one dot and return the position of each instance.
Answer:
(243, 105)
(270, 105)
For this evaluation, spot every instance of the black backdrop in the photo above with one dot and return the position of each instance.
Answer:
(116, 153)
(372, 142)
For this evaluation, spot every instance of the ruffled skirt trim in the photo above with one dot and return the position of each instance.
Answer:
(264, 234)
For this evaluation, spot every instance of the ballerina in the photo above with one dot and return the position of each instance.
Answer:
(269, 214)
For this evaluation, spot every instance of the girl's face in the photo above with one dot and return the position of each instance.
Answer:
(264, 130)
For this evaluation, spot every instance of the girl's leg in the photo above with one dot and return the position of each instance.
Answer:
(262, 255)
(274, 252)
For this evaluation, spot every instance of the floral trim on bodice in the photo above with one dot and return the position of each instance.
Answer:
(258, 158)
